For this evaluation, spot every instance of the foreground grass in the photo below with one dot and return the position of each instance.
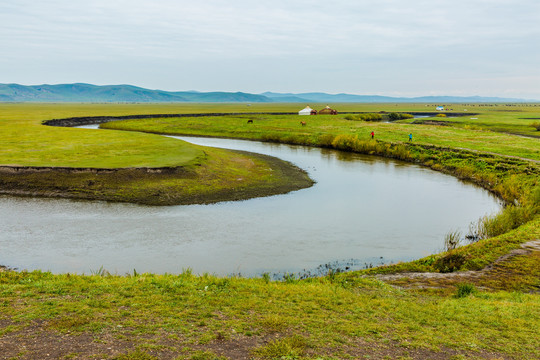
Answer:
(176, 316)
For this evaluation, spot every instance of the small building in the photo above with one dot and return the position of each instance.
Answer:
(307, 111)
(328, 111)
(439, 108)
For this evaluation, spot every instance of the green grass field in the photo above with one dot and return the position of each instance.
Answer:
(264, 127)
(203, 175)
(487, 313)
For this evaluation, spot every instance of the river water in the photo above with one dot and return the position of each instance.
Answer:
(362, 211)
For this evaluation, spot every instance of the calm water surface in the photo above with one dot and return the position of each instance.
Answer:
(362, 210)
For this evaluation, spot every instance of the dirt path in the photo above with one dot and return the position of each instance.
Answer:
(491, 277)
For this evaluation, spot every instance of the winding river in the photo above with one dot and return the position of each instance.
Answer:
(362, 211)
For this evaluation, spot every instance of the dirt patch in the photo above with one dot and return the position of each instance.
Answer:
(37, 341)
(490, 277)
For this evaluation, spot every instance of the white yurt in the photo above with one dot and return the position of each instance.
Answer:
(305, 111)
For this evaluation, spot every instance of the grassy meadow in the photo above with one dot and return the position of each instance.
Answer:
(478, 301)
(191, 174)
(287, 128)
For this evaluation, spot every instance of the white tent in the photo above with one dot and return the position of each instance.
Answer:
(305, 111)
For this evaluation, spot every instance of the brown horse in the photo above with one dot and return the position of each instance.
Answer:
(250, 121)
(303, 123)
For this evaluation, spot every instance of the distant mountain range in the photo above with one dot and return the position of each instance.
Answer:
(350, 98)
(127, 93)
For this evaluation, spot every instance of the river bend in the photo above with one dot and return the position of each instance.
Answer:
(363, 210)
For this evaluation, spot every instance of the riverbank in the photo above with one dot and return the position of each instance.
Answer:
(223, 176)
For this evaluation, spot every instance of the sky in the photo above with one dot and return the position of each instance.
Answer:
(366, 47)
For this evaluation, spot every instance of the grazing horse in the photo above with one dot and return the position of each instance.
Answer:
(303, 123)
(250, 121)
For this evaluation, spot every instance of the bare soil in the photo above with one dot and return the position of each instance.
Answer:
(39, 342)
(496, 276)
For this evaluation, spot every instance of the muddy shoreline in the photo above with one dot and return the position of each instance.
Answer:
(123, 184)
(91, 120)
(8, 169)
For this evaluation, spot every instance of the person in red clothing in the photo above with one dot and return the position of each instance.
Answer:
(372, 134)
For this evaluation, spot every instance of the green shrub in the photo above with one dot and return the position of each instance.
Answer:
(371, 117)
(364, 117)
(449, 263)
(464, 290)
(533, 199)
(393, 116)
(326, 140)
(401, 152)
(536, 125)
(510, 218)
(344, 142)
(399, 116)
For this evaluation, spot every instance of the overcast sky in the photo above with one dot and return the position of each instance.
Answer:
(385, 47)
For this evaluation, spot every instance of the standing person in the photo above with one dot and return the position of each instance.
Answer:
(410, 137)
(372, 134)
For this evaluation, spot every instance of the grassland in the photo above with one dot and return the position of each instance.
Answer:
(476, 314)
(153, 169)
(459, 133)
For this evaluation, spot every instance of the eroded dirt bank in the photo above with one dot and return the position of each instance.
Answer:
(151, 186)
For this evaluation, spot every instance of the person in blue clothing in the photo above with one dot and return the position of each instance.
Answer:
(410, 137)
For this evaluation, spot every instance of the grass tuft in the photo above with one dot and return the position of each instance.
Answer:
(465, 289)
(289, 347)
(452, 240)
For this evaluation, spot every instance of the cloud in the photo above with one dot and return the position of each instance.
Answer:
(362, 38)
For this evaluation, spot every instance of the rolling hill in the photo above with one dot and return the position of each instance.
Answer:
(80, 92)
